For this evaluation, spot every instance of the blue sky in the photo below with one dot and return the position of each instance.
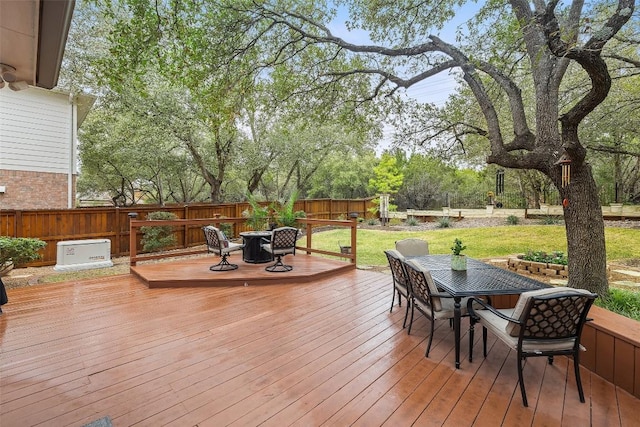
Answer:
(436, 89)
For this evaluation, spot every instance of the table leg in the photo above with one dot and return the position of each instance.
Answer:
(456, 328)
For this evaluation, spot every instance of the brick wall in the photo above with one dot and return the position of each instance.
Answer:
(33, 190)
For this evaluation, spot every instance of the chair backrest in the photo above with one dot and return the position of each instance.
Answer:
(284, 238)
(422, 285)
(215, 238)
(554, 313)
(412, 247)
(398, 273)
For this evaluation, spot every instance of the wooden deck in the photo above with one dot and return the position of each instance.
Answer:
(195, 271)
(326, 352)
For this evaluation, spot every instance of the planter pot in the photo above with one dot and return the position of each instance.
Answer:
(489, 209)
(345, 249)
(458, 262)
(616, 207)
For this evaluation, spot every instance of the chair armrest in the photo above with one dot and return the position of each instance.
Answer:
(487, 306)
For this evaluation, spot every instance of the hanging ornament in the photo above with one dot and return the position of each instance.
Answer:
(565, 164)
(565, 203)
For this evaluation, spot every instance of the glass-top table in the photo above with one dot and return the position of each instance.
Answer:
(477, 280)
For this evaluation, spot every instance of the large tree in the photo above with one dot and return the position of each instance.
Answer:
(544, 39)
(292, 45)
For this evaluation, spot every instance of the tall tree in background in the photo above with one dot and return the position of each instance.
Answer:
(545, 38)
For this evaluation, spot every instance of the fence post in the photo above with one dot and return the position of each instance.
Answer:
(185, 237)
(18, 224)
(115, 248)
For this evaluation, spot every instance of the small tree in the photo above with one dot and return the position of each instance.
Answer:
(157, 238)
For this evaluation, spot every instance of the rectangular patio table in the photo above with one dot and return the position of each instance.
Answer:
(479, 279)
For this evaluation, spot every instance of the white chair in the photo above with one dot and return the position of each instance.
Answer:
(545, 322)
(283, 242)
(412, 247)
(218, 243)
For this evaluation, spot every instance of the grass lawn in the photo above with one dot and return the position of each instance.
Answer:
(485, 242)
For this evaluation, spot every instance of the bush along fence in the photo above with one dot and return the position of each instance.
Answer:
(53, 226)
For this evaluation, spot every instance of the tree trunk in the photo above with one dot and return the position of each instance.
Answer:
(585, 232)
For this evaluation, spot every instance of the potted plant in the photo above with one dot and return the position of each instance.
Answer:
(18, 250)
(458, 260)
(284, 213)
(257, 216)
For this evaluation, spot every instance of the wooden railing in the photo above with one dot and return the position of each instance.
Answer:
(56, 225)
(187, 224)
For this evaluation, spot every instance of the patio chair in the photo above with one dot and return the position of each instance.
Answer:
(412, 247)
(427, 299)
(546, 322)
(400, 281)
(218, 243)
(283, 242)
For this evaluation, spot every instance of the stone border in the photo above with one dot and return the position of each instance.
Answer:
(540, 268)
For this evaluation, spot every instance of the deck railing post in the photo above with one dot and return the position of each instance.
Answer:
(132, 238)
(309, 234)
(354, 233)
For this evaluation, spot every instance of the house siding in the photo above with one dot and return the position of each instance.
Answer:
(35, 131)
(36, 141)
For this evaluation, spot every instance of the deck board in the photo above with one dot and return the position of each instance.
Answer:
(308, 353)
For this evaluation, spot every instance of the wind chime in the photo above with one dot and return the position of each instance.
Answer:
(565, 165)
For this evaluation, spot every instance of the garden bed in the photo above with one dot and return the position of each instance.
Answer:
(539, 268)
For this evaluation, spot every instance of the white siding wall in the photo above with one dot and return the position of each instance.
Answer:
(35, 131)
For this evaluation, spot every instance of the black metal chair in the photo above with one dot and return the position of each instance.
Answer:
(283, 242)
(433, 303)
(546, 322)
(218, 243)
(400, 281)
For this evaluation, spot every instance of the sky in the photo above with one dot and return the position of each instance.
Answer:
(436, 89)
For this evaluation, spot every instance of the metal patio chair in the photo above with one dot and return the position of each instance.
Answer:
(283, 242)
(400, 281)
(546, 322)
(218, 243)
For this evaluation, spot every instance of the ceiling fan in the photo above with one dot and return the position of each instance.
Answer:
(7, 76)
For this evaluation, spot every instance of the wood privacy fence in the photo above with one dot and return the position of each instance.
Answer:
(53, 226)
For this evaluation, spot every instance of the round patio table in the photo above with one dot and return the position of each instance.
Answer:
(252, 251)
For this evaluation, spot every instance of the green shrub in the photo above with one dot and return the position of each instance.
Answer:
(257, 215)
(444, 222)
(227, 229)
(621, 301)
(412, 221)
(285, 216)
(513, 220)
(395, 221)
(549, 220)
(372, 221)
(555, 257)
(19, 250)
(157, 238)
